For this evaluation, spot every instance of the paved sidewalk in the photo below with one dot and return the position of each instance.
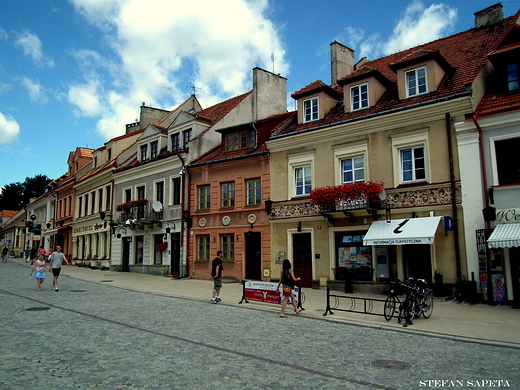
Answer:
(497, 325)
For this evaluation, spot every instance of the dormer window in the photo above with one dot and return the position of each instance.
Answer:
(310, 110)
(186, 137)
(359, 97)
(240, 140)
(512, 77)
(144, 152)
(176, 145)
(416, 82)
(154, 149)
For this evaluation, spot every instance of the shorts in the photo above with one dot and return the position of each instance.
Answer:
(39, 274)
(217, 283)
(56, 271)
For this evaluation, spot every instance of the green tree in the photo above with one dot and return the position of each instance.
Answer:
(15, 196)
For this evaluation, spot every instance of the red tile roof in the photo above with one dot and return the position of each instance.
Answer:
(465, 53)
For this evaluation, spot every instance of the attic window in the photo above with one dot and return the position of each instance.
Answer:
(512, 77)
(155, 149)
(240, 140)
(310, 110)
(144, 152)
(416, 82)
(359, 97)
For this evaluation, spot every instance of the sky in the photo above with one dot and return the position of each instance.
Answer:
(73, 73)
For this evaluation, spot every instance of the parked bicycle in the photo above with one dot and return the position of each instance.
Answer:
(418, 299)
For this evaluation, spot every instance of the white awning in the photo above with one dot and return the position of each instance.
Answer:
(505, 235)
(402, 231)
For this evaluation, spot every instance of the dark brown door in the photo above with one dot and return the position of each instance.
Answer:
(417, 262)
(253, 256)
(302, 262)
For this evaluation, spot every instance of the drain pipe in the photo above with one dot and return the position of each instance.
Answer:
(482, 165)
(453, 200)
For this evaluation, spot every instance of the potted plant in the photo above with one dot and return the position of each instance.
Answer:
(328, 198)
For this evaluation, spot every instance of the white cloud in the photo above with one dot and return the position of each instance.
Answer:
(417, 25)
(9, 129)
(165, 47)
(86, 98)
(32, 47)
(34, 89)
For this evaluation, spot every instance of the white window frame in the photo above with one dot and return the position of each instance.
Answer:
(295, 162)
(492, 149)
(350, 150)
(314, 109)
(413, 160)
(406, 140)
(416, 80)
(363, 103)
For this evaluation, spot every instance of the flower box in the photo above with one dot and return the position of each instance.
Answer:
(131, 203)
(328, 198)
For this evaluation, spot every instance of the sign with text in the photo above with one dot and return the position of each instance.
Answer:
(508, 215)
(265, 292)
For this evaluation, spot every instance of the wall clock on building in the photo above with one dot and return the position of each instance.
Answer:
(251, 219)
(226, 220)
(202, 222)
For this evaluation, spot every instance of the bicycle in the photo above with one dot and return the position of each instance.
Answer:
(407, 308)
(424, 299)
(392, 303)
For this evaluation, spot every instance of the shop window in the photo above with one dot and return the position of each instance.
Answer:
(353, 260)
(139, 249)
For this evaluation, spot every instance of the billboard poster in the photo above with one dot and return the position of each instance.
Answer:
(265, 292)
(499, 288)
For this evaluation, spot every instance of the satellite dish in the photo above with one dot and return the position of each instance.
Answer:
(157, 206)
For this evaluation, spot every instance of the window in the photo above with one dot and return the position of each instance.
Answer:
(227, 245)
(109, 154)
(302, 180)
(154, 149)
(144, 152)
(100, 199)
(253, 192)
(416, 82)
(227, 194)
(508, 164)
(203, 248)
(93, 203)
(204, 197)
(85, 211)
(128, 195)
(140, 192)
(413, 164)
(186, 137)
(176, 186)
(80, 206)
(353, 169)
(512, 77)
(176, 145)
(159, 191)
(240, 140)
(107, 204)
(310, 110)
(359, 97)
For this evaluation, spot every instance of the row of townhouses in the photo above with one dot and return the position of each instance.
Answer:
(403, 166)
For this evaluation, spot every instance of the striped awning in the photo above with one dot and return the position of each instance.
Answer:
(505, 235)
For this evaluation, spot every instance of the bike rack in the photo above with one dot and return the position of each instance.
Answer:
(368, 304)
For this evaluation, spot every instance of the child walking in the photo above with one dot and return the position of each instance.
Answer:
(39, 271)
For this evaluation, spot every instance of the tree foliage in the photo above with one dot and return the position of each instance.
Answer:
(15, 196)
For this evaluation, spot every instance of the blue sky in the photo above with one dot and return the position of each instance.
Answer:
(74, 72)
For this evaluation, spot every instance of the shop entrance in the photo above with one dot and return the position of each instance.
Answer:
(175, 259)
(417, 262)
(302, 261)
(253, 256)
(127, 241)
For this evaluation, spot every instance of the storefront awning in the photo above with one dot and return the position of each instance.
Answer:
(505, 235)
(402, 231)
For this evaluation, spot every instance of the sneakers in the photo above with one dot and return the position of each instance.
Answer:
(56, 289)
(52, 288)
(218, 299)
(213, 301)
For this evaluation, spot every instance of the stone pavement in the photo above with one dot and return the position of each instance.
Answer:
(479, 323)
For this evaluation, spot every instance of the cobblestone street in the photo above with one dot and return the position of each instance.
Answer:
(92, 335)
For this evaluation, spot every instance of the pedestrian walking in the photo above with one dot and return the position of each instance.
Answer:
(287, 280)
(39, 271)
(4, 253)
(32, 255)
(27, 253)
(42, 251)
(216, 276)
(57, 259)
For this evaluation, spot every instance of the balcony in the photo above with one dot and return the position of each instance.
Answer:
(139, 212)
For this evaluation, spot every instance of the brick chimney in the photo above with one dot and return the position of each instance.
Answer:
(489, 16)
(341, 62)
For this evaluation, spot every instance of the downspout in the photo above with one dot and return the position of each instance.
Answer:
(482, 165)
(181, 233)
(453, 200)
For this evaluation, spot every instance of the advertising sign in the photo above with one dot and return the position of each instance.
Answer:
(265, 292)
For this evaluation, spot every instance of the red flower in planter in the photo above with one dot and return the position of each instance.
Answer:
(162, 246)
(330, 196)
